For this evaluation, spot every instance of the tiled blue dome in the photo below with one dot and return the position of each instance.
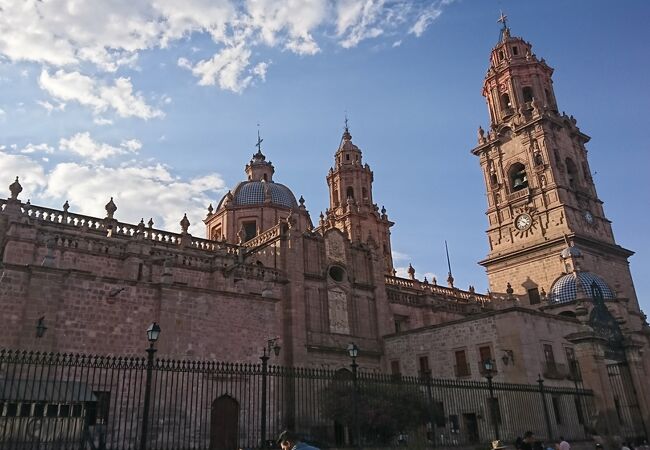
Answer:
(577, 285)
(252, 193)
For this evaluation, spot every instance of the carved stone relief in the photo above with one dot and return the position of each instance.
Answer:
(338, 311)
(335, 247)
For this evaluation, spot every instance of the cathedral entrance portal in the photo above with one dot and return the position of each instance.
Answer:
(224, 423)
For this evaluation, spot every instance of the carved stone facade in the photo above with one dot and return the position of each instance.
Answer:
(562, 296)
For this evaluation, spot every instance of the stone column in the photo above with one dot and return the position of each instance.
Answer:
(589, 351)
(634, 355)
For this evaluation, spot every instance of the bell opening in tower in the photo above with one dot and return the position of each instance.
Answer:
(518, 178)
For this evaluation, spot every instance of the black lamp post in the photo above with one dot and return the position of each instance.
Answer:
(153, 332)
(488, 365)
(353, 351)
(547, 419)
(271, 346)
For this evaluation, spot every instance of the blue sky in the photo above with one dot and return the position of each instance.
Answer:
(157, 104)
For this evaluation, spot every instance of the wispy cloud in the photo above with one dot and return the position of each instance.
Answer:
(100, 97)
(85, 44)
(97, 171)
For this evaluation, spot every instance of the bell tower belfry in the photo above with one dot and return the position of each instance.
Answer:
(351, 207)
(538, 182)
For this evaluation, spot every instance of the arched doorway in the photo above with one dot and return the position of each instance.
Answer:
(224, 423)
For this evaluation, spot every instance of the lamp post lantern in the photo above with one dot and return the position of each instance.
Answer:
(353, 351)
(488, 365)
(153, 333)
(271, 346)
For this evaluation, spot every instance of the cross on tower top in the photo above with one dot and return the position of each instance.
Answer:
(503, 19)
(259, 140)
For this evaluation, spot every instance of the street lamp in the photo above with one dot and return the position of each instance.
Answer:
(153, 333)
(271, 346)
(488, 365)
(353, 351)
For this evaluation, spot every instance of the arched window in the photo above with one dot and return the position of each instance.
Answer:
(505, 101)
(572, 173)
(349, 193)
(518, 177)
(364, 193)
(528, 94)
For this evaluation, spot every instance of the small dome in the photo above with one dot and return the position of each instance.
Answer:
(577, 285)
(253, 193)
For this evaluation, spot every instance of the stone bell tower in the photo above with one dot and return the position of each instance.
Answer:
(538, 182)
(351, 207)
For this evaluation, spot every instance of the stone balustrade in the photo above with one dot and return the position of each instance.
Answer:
(435, 289)
(263, 238)
(120, 229)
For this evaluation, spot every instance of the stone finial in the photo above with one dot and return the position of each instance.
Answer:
(15, 188)
(210, 209)
(450, 280)
(509, 289)
(150, 223)
(185, 224)
(301, 200)
(542, 294)
(425, 280)
(241, 235)
(471, 289)
(434, 281)
(66, 206)
(140, 230)
(411, 272)
(110, 208)
(481, 135)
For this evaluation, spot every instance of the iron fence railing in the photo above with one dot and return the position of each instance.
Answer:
(71, 401)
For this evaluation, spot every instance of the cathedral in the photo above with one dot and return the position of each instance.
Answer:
(561, 303)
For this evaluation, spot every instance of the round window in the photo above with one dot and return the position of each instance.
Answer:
(337, 273)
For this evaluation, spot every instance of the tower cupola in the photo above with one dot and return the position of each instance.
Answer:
(516, 81)
(259, 169)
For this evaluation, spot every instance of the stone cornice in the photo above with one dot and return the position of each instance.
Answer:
(485, 315)
(578, 239)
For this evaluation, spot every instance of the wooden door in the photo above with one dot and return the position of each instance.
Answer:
(224, 423)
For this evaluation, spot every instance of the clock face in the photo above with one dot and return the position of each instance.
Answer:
(523, 221)
(589, 217)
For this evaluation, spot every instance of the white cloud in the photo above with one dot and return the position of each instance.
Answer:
(102, 121)
(140, 190)
(31, 173)
(49, 107)
(425, 19)
(3, 113)
(73, 86)
(37, 148)
(67, 37)
(358, 20)
(260, 70)
(226, 68)
(83, 145)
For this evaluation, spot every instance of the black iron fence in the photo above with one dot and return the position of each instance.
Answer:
(61, 401)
